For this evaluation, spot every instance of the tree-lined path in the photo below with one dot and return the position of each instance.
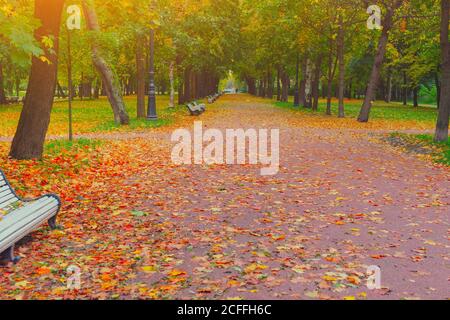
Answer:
(343, 200)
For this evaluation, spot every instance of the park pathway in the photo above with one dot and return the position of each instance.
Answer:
(138, 226)
(342, 201)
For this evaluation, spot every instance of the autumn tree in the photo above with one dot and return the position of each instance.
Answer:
(110, 81)
(29, 139)
(444, 108)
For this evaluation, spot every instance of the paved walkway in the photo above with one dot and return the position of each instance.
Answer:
(342, 202)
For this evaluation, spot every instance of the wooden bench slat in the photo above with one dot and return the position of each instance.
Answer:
(26, 226)
(24, 218)
(5, 191)
(22, 212)
(7, 200)
(8, 226)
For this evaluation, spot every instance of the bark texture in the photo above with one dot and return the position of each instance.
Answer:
(111, 84)
(28, 142)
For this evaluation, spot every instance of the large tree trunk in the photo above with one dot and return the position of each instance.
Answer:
(341, 62)
(444, 108)
(140, 74)
(378, 63)
(29, 139)
(110, 82)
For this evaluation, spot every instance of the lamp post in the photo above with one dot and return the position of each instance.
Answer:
(297, 92)
(70, 85)
(151, 111)
(73, 23)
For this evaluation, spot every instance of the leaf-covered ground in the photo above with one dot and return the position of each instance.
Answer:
(140, 227)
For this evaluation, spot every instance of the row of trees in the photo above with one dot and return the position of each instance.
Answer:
(302, 46)
(278, 47)
(196, 42)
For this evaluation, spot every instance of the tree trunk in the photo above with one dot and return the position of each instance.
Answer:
(331, 72)
(405, 89)
(269, 84)
(140, 76)
(2, 86)
(316, 83)
(278, 84)
(28, 142)
(302, 89)
(60, 90)
(187, 84)
(285, 86)
(378, 63)
(110, 82)
(441, 134)
(251, 84)
(438, 89)
(172, 85)
(341, 61)
(416, 96)
(389, 88)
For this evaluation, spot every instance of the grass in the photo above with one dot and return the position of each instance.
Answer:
(90, 116)
(423, 144)
(380, 110)
(443, 154)
(55, 147)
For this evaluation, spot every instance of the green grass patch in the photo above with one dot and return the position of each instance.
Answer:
(422, 144)
(57, 147)
(380, 110)
(443, 156)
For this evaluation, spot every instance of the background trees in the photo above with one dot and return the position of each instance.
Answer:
(265, 43)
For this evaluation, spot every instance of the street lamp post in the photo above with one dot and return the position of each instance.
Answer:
(70, 85)
(151, 111)
(297, 91)
(73, 23)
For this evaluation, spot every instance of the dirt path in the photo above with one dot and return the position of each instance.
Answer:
(340, 203)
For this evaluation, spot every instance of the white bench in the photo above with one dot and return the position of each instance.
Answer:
(196, 109)
(19, 217)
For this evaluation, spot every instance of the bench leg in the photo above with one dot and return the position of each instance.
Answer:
(52, 223)
(8, 256)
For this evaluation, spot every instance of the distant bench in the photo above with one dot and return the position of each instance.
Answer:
(213, 98)
(196, 109)
(20, 217)
(12, 100)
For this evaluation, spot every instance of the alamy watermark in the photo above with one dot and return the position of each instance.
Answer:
(237, 146)
(374, 278)
(374, 21)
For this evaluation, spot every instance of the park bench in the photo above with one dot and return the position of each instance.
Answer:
(196, 109)
(213, 98)
(200, 106)
(19, 217)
